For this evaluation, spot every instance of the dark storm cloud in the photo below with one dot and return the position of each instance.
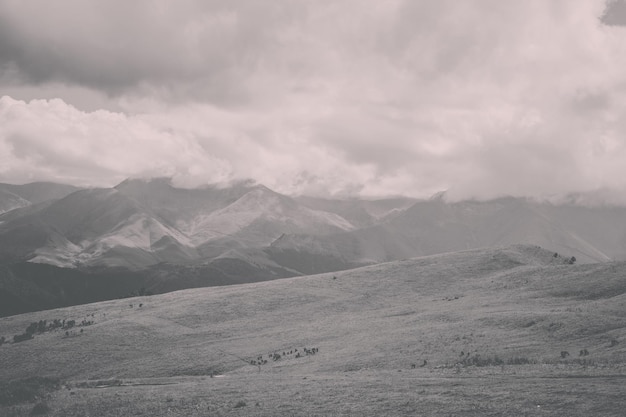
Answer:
(182, 48)
(615, 13)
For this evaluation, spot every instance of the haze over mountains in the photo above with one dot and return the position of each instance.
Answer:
(55, 237)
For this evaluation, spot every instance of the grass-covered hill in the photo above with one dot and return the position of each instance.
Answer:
(509, 331)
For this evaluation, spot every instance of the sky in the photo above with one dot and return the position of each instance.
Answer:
(344, 98)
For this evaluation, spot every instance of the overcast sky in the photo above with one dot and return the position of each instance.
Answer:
(366, 97)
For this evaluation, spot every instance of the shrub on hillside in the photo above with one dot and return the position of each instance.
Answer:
(41, 326)
(32, 328)
(478, 360)
(495, 360)
(22, 337)
(520, 361)
(40, 409)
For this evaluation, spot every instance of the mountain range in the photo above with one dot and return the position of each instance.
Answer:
(54, 238)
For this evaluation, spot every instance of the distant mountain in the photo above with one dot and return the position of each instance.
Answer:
(11, 201)
(18, 196)
(591, 234)
(361, 213)
(140, 223)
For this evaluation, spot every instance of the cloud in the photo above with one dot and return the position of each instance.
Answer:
(190, 47)
(614, 13)
(482, 98)
(44, 140)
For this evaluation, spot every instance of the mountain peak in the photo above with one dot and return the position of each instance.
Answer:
(170, 183)
(438, 196)
(144, 182)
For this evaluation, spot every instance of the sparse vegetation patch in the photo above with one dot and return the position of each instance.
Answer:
(291, 353)
(27, 390)
(469, 359)
(22, 337)
(42, 326)
(40, 409)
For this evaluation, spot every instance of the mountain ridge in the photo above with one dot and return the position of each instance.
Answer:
(160, 222)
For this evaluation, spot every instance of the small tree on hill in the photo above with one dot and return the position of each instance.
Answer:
(22, 337)
(32, 328)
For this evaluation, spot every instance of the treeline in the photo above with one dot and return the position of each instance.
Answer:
(42, 326)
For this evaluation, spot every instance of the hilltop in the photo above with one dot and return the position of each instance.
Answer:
(500, 331)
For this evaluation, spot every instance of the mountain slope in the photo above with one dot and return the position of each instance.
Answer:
(506, 331)
(11, 201)
(18, 196)
(260, 216)
(360, 213)
(428, 227)
(141, 223)
(38, 192)
(28, 286)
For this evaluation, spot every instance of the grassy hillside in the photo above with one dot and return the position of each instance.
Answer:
(26, 287)
(481, 332)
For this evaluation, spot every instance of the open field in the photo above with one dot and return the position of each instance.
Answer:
(510, 331)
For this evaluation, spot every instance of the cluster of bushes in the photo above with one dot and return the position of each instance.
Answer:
(480, 361)
(258, 361)
(42, 326)
(22, 337)
(570, 261)
(294, 352)
(582, 352)
(276, 356)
